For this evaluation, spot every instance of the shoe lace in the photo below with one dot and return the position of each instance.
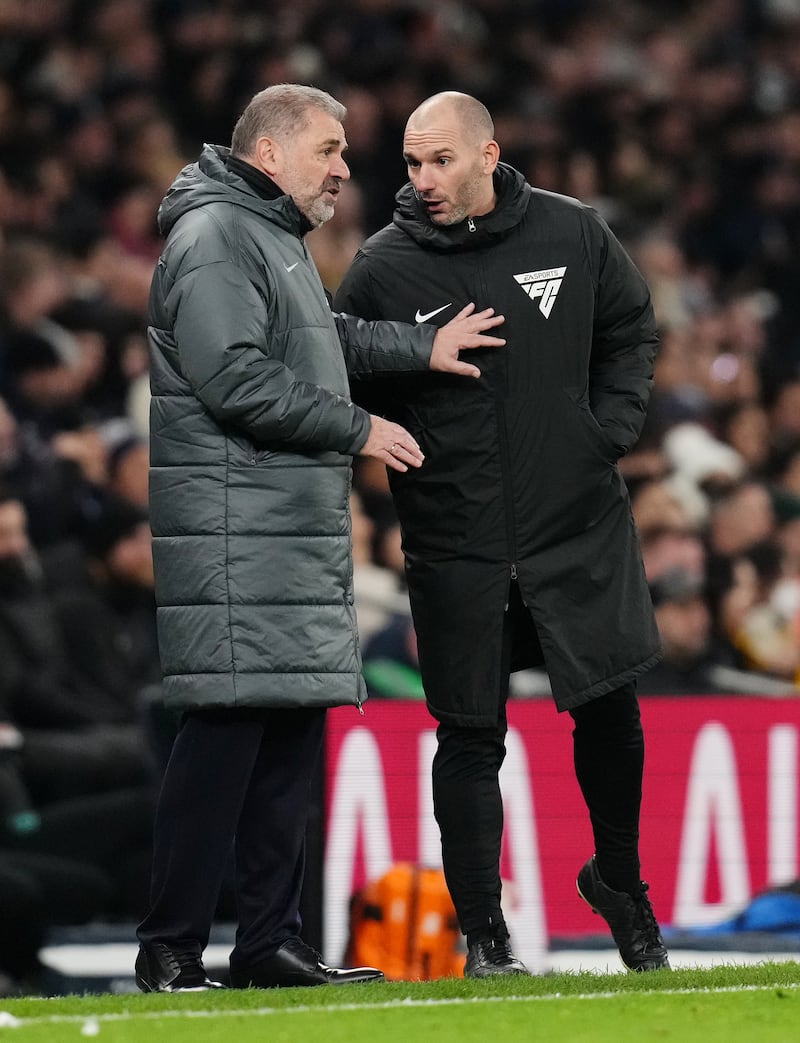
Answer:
(645, 917)
(188, 960)
(498, 950)
(302, 948)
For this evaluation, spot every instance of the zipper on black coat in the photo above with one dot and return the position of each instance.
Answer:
(505, 454)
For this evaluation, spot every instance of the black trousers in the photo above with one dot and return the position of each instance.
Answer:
(236, 778)
(608, 746)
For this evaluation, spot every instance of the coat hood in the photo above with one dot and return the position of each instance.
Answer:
(513, 195)
(210, 181)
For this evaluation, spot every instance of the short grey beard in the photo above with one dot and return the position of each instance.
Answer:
(318, 215)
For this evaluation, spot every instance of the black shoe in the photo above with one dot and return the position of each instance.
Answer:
(296, 963)
(491, 954)
(161, 969)
(631, 919)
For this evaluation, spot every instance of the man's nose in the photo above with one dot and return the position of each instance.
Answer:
(424, 180)
(340, 169)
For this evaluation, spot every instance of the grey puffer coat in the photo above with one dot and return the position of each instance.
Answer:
(252, 433)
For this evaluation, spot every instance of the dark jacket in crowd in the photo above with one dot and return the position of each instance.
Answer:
(520, 478)
(252, 430)
(41, 682)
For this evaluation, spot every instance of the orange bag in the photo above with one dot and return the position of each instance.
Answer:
(405, 924)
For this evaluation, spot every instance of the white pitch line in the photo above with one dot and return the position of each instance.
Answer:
(10, 1021)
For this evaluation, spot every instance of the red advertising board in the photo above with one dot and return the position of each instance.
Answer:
(719, 816)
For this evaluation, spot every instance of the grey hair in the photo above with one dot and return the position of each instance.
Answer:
(280, 112)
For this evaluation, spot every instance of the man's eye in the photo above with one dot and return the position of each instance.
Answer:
(443, 161)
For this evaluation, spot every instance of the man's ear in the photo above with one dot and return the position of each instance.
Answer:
(267, 155)
(491, 156)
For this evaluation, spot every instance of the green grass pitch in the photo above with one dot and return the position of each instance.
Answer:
(724, 1004)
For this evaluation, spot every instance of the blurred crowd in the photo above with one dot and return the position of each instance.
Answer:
(679, 122)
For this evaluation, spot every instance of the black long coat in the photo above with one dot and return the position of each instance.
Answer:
(520, 478)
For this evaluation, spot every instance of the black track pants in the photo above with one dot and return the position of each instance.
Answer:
(609, 759)
(608, 747)
(468, 808)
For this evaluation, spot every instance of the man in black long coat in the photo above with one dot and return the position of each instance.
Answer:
(519, 542)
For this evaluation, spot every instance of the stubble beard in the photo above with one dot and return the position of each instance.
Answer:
(318, 212)
(462, 205)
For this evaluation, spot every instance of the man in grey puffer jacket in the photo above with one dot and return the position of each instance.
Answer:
(252, 434)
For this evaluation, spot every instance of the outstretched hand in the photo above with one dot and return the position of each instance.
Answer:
(392, 444)
(461, 333)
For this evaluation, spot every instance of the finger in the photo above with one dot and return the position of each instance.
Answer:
(481, 342)
(464, 369)
(406, 442)
(468, 309)
(485, 321)
(396, 457)
(395, 464)
(406, 451)
(413, 456)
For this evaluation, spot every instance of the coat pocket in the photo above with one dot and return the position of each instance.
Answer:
(597, 438)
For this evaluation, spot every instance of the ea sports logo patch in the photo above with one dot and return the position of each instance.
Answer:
(544, 285)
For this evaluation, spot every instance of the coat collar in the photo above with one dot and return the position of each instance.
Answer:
(209, 180)
(513, 195)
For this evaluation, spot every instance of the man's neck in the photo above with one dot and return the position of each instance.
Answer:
(256, 179)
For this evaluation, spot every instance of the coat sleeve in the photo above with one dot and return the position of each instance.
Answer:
(372, 346)
(383, 347)
(219, 322)
(624, 343)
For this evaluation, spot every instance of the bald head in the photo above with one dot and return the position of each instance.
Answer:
(451, 156)
(466, 115)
